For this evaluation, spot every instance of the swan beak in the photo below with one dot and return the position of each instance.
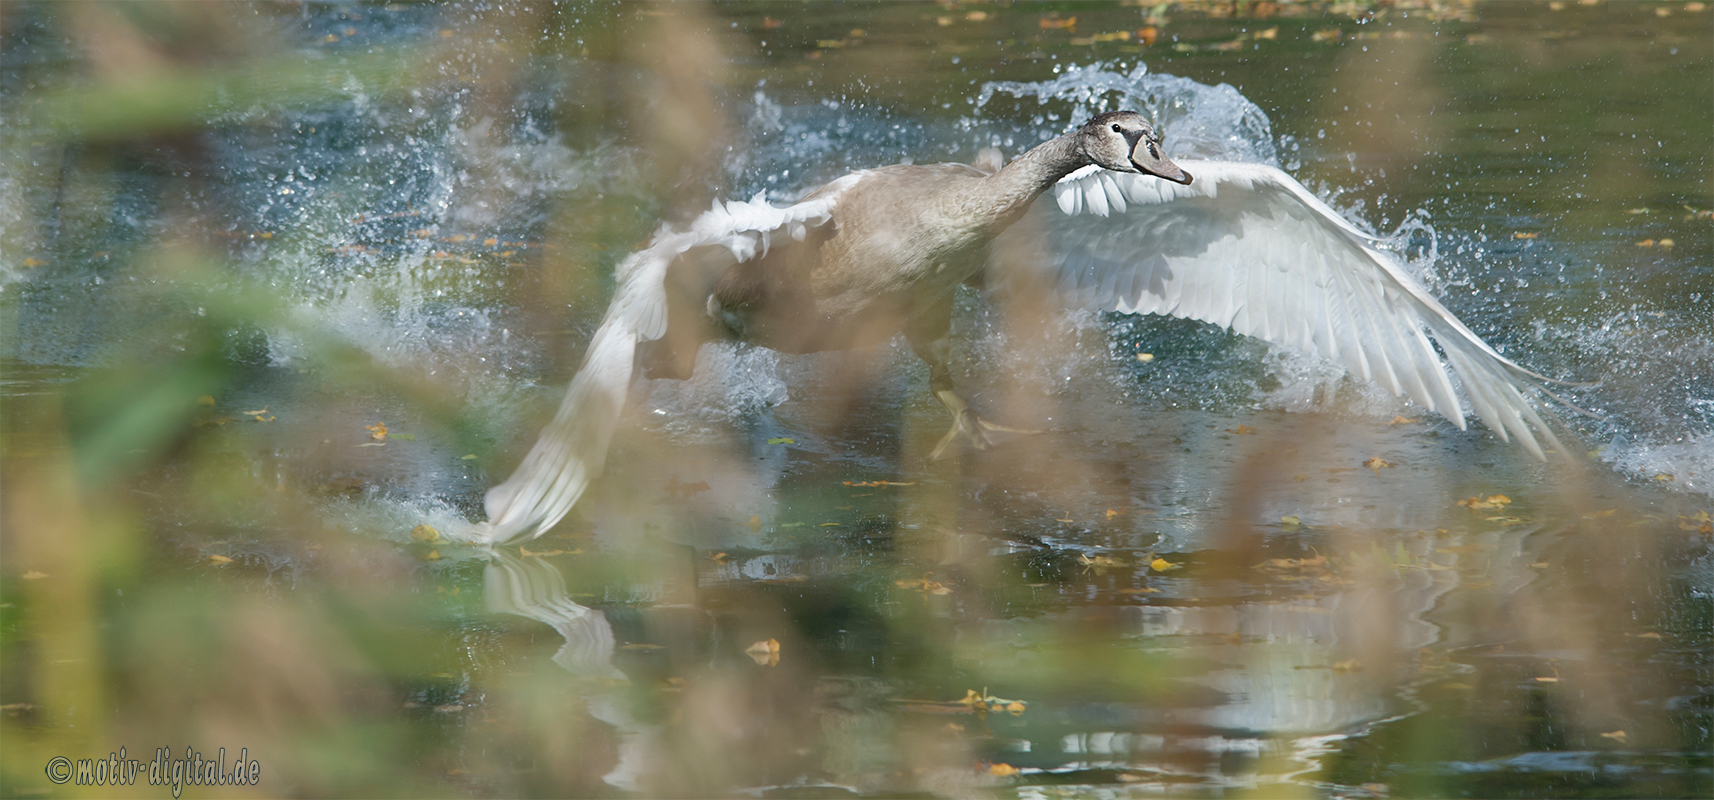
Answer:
(1158, 167)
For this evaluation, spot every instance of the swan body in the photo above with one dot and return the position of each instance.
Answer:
(883, 251)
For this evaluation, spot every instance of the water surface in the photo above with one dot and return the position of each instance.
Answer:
(237, 241)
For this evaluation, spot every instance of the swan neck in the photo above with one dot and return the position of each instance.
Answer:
(1047, 162)
(1023, 180)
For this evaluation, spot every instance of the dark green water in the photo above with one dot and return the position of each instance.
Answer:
(233, 238)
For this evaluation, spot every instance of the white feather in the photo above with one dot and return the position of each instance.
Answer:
(1261, 254)
(572, 449)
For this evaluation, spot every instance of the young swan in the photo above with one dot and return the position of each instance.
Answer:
(882, 251)
(853, 263)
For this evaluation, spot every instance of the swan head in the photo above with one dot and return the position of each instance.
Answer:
(1123, 141)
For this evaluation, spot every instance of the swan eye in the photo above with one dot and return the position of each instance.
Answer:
(1154, 152)
(1117, 129)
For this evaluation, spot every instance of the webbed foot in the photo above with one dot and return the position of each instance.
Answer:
(979, 433)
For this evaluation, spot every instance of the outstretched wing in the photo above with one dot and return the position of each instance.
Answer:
(1247, 247)
(573, 447)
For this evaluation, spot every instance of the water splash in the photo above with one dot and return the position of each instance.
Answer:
(1195, 120)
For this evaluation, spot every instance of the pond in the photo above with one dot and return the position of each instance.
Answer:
(286, 287)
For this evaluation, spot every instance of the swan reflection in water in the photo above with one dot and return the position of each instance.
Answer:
(534, 588)
(1273, 701)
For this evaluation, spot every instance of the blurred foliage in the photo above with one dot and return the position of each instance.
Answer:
(241, 573)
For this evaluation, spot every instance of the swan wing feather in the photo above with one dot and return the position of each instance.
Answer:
(1245, 246)
(572, 449)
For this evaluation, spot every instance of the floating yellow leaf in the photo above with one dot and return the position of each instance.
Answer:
(218, 559)
(1348, 665)
(433, 555)
(1617, 736)
(1664, 243)
(34, 575)
(378, 431)
(1319, 561)
(1521, 235)
(1664, 477)
(1115, 36)
(755, 522)
(528, 553)
(1399, 419)
(924, 585)
(1002, 770)
(766, 653)
(1101, 562)
(1067, 520)
(1646, 243)
(1492, 501)
(1377, 464)
(34, 262)
(1162, 565)
(719, 558)
(1015, 708)
(1290, 523)
(684, 490)
(1111, 513)
(1145, 357)
(1052, 23)
(205, 400)
(467, 457)
(1241, 430)
(782, 440)
(1548, 680)
(425, 533)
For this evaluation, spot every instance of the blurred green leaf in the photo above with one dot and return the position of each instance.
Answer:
(175, 100)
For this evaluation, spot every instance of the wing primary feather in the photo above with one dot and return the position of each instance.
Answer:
(1476, 388)
(1345, 295)
(1261, 303)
